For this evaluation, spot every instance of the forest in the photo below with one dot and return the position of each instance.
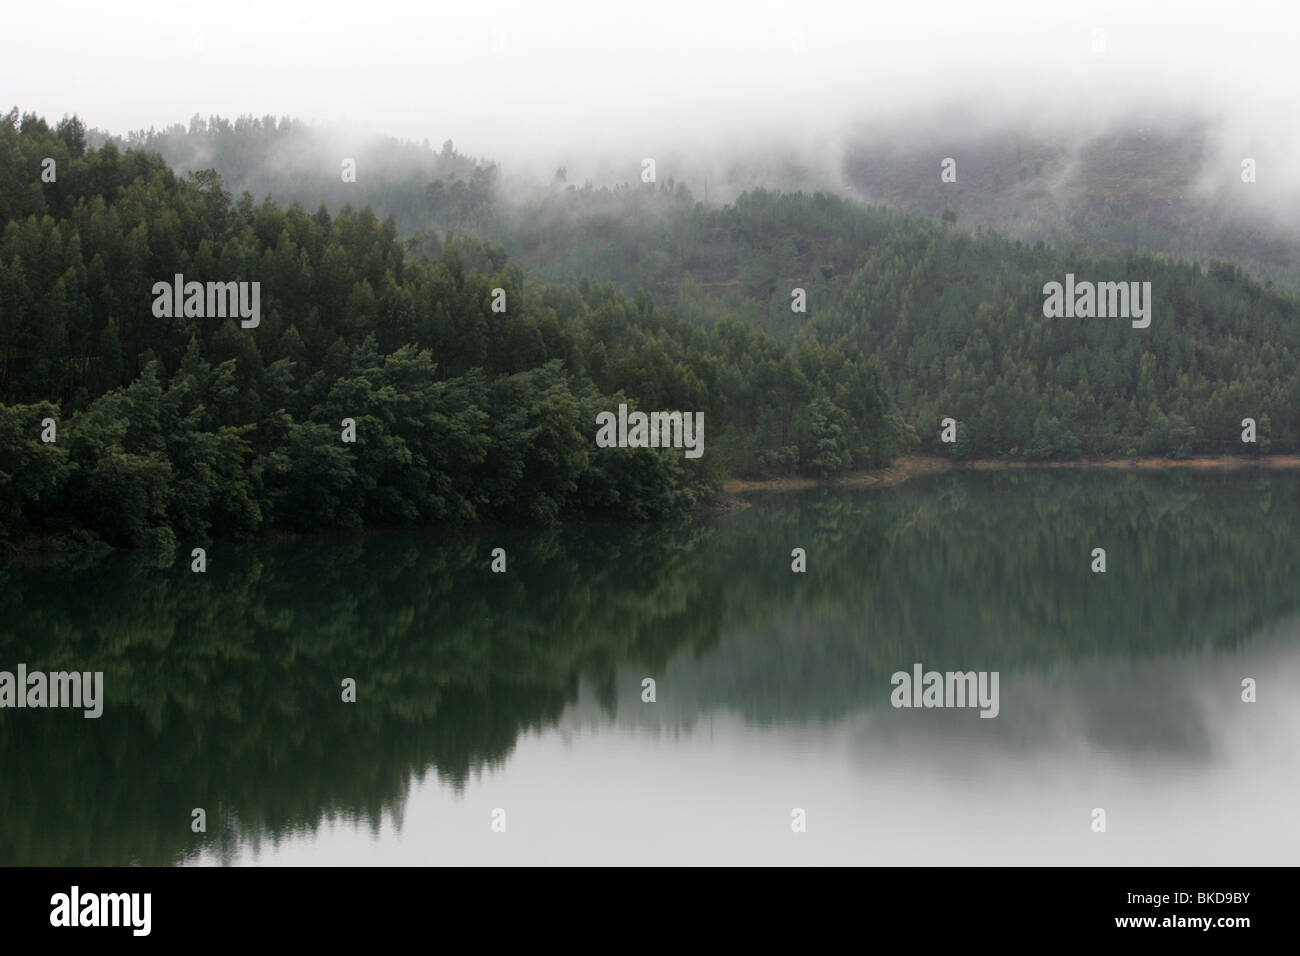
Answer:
(185, 428)
(952, 316)
(955, 319)
(182, 428)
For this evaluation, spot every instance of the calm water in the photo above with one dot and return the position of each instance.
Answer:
(522, 691)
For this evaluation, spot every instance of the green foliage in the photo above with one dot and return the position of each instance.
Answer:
(465, 414)
(953, 321)
(32, 472)
(461, 413)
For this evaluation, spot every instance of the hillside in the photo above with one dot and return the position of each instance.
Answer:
(472, 393)
(1167, 187)
(956, 318)
(638, 294)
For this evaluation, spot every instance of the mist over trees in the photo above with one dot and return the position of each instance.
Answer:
(1136, 184)
(1138, 181)
(292, 161)
(638, 294)
(190, 427)
(955, 319)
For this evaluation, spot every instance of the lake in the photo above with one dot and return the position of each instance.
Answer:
(513, 701)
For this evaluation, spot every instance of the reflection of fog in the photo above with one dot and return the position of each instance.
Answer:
(894, 787)
(1178, 709)
(1152, 714)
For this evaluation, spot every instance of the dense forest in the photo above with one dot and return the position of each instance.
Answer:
(167, 427)
(955, 318)
(639, 294)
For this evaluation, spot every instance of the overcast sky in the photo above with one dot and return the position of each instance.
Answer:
(526, 81)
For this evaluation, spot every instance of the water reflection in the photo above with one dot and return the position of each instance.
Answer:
(523, 690)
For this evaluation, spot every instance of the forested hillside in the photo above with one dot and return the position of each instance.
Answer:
(198, 426)
(638, 294)
(956, 318)
(1158, 185)
(958, 321)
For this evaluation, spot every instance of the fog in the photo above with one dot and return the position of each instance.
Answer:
(723, 96)
(524, 81)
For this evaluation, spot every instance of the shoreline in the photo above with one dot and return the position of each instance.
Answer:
(731, 497)
(1225, 462)
(917, 466)
(908, 466)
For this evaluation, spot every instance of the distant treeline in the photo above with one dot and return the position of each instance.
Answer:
(294, 161)
(956, 319)
(191, 427)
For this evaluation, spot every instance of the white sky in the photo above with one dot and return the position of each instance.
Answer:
(540, 78)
